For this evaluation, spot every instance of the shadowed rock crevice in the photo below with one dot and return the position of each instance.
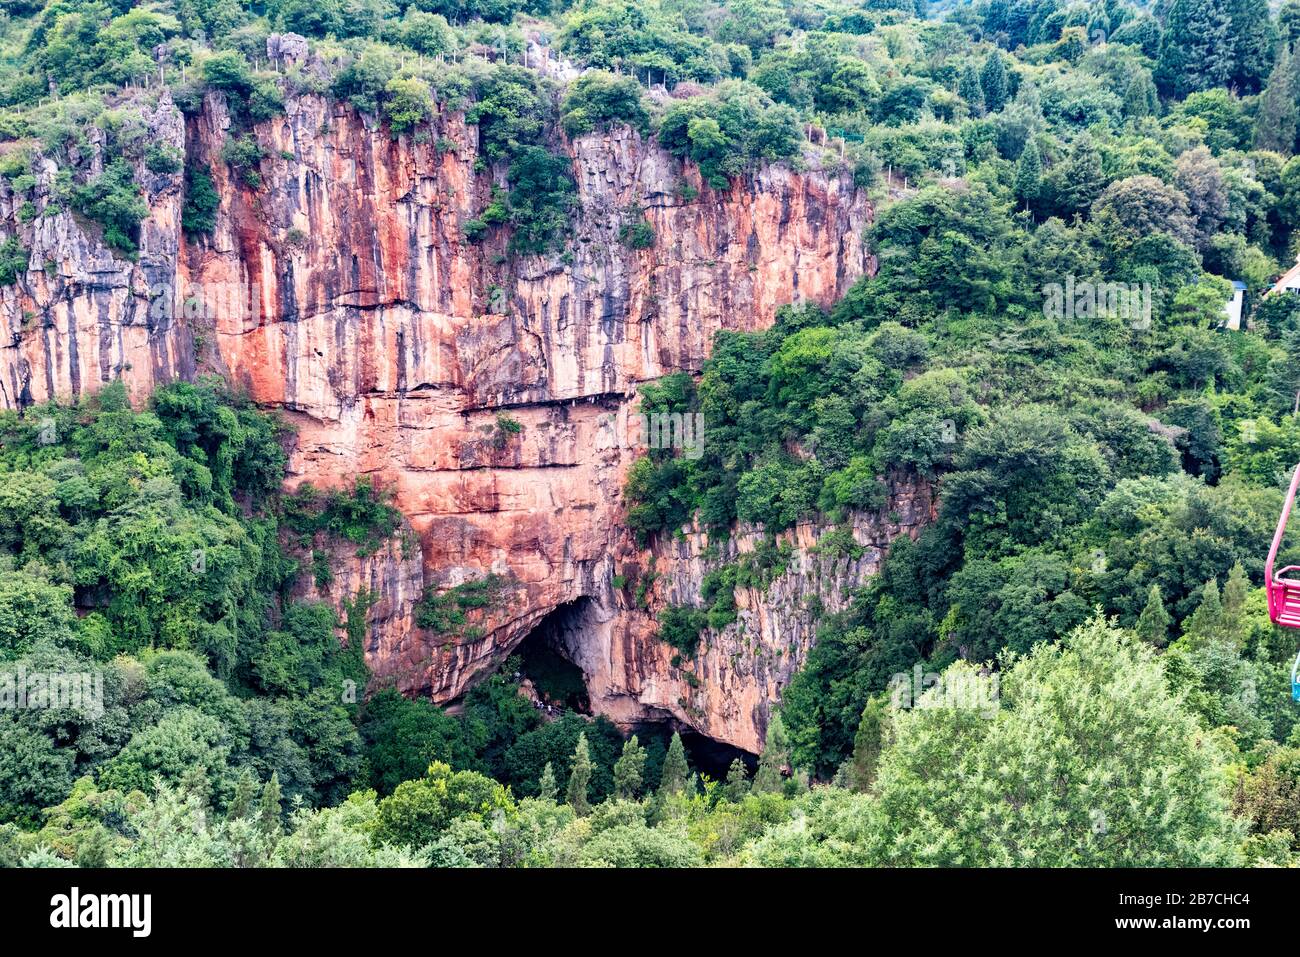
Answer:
(549, 668)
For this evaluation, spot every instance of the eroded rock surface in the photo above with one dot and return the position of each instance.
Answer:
(341, 290)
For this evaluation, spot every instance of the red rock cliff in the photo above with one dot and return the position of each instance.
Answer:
(342, 291)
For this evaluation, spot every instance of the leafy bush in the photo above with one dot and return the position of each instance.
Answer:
(596, 100)
(13, 261)
(361, 514)
(726, 132)
(199, 213)
(408, 102)
(637, 235)
(680, 626)
(542, 194)
(446, 612)
(113, 200)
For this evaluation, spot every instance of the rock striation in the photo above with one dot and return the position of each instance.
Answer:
(341, 290)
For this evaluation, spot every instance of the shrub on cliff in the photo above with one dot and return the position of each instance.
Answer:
(251, 97)
(408, 102)
(362, 514)
(597, 100)
(726, 131)
(542, 194)
(113, 200)
(13, 261)
(680, 627)
(199, 214)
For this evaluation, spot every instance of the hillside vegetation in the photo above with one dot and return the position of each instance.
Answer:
(1109, 466)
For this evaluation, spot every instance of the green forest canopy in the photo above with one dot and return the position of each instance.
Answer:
(1107, 487)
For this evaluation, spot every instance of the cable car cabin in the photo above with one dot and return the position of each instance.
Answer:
(1284, 592)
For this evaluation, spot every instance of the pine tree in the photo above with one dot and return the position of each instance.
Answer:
(1082, 179)
(1153, 623)
(1253, 39)
(737, 785)
(969, 89)
(1235, 592)
(868, 742)
(268, 808)
(629, 769)
(1275, 118)
(773, 760)
(241, 803)
(1029, 174)
(580, 777)
(993, 81)
(672, 779)
(547, 789)
(1141, 98)
(1206, 622)
(1196, 49)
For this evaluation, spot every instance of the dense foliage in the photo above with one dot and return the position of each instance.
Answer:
(1061, 191)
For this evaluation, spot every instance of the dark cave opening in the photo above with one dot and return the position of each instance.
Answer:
(550, 676)
(556, 681)
(714, 758)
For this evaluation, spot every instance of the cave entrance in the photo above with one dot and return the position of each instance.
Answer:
(714, 757)
(547, 657)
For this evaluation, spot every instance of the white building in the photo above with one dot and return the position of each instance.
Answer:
(1233, 308)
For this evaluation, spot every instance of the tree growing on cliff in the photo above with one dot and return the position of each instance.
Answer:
(580, 778)
(408, 102)
(199, 214)
(113, 200)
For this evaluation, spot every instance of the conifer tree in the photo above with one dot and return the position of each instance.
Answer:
(1253, 40)
(580, 777)
(1206, 622)
(1141, 98)
(737, 785)
(268, 808)
(547, 789)
(241, 803)
(970, 90)
(1081, 178)
(1235, 592)
(1275, 119)
(1153, 623)
(629, 769)
(773, 760)
(1196, 48)
(868, 742)
(993, 81)
(1029, 174)
(672, 779)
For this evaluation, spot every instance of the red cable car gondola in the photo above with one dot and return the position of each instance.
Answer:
(1283, 592)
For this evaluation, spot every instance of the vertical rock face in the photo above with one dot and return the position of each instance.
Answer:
(341, 290)
(83, 316)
